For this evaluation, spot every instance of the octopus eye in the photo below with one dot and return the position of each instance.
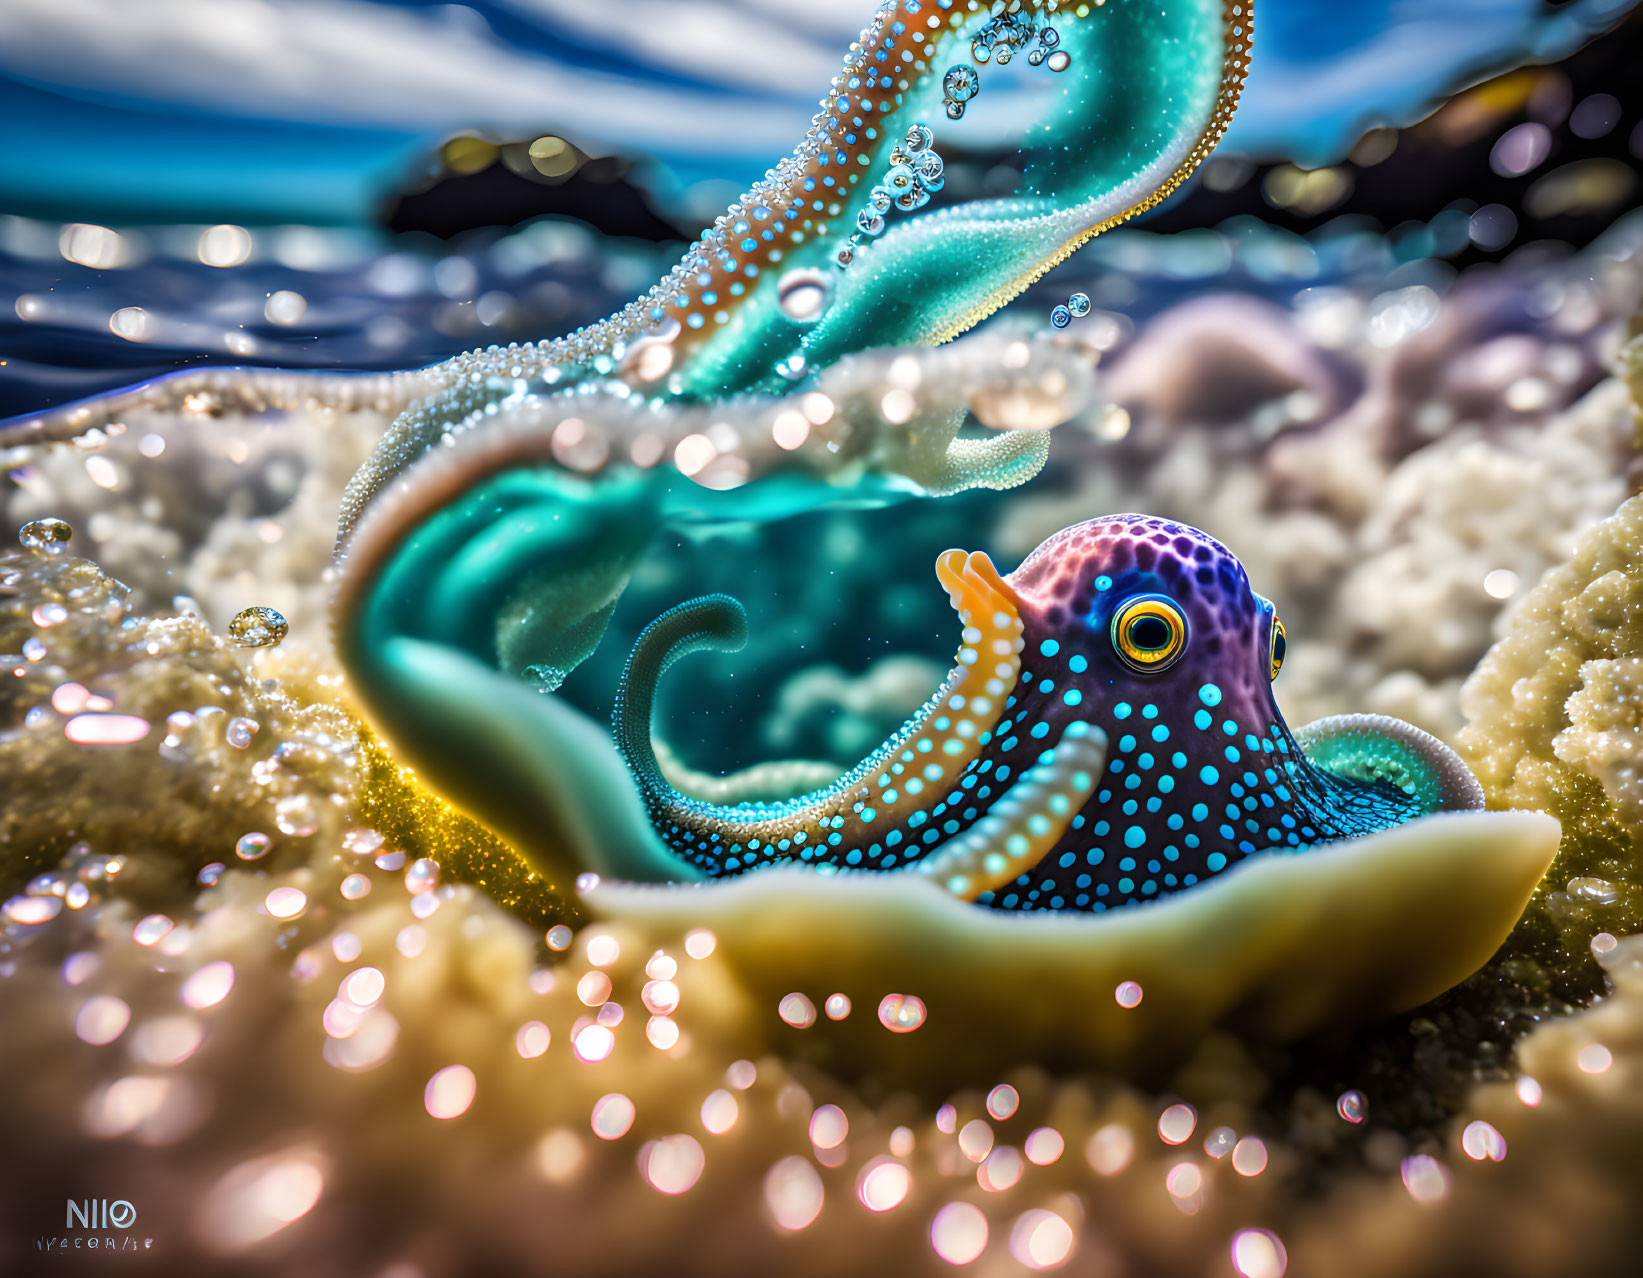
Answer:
(1149, 633)
(1280, 644)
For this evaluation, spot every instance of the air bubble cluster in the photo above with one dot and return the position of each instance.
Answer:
(1078, 306)
(258, 627)
(1000, 42)
(915, 175)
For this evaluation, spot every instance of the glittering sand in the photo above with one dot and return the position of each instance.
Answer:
(261, 985)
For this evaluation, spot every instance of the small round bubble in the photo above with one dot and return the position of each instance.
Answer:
(258, 627)
(960, 83)
(50, 535)
(1061, 317)
(1079, 304)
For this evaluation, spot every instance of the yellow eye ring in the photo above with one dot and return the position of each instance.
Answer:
(1280, 644)
(1149, 633)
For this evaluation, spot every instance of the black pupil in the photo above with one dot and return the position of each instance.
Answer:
(1279, 646)
(1150, 633)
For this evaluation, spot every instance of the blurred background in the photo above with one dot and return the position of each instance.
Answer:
(375, 184)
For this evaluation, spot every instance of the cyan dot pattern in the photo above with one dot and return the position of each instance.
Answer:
(1201, 771)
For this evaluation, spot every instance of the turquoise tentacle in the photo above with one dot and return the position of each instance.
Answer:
(486, 543)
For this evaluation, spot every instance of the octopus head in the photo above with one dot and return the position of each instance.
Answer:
(1150, 631)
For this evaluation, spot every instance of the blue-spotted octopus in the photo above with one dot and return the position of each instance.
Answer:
(1109, 736)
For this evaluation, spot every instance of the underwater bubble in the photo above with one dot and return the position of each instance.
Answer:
(532, 1040)
(1175, 1124)
(593, 1043)
(106, 729)
(1482, 1141)
(742, 1074)
(48, 615)
(673, 1164)
(449, 1092)
(1249, 1156)
(1185, 1183)
(258, 627)
(209, 874)
(901, 177)
(224, 246)
(209, 986)
(1257, 1253)
(662, 966)
(829, 1125)
(961, 83)
(1219, 1143)
(1352, 1106)
(355, 886)
(1041, 1239)
(901, 1013)
(796, 1010)
(285, 307)
(1603, 943)
(612, 1116)
(920, 137)
(880, 199)
(793, 1193)
(1035, 58)
(955, 110)
(929, 167)
(699, 942)
(1044, 1146)
(1594, 1058)
(1002, 1101)
(150, 931)
(1128, 994)
(1528, 1091)
(1597, 891)
(1426, 1179)
(296, 815)
(30, 910)
(1049, 37)
(1060, 60)
(393, 862)
(594, 989)
(869, 222)
(286, 902)
(50, 535)
(958, 1234)
(559, 937)
(661, 998)
(883, 1185)
(803, 295)
(662, 1031)
(101, 1020)
(837, 1006)
(1079, 305)
(846, 253)
(1520, 149)
(253, 846)
(1061, 317)
(240, 731)
(423, 876)
(362, 842)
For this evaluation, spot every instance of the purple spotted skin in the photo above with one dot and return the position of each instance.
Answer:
(1201, 770)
